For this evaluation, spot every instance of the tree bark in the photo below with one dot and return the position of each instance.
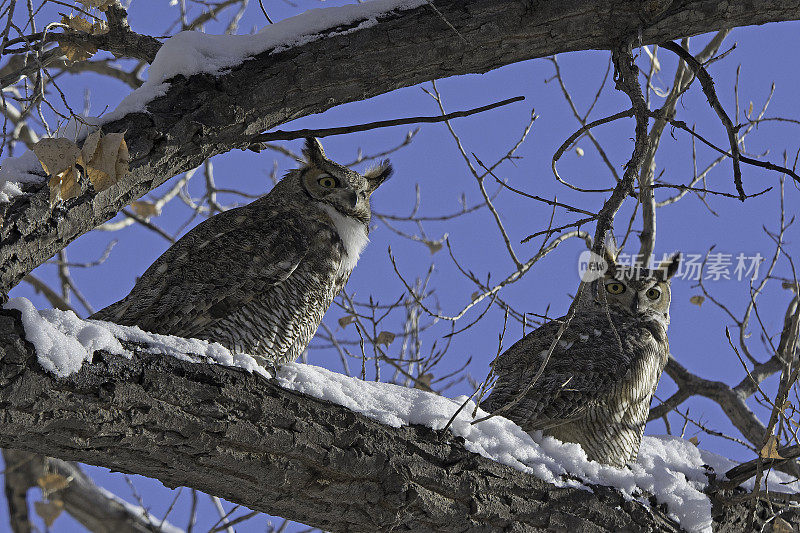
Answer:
(242, 437)
(205, 115)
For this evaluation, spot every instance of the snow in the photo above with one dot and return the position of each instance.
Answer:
(162, 526)
(670, 468)
(191, 52)
(64, 342)
(14, 171)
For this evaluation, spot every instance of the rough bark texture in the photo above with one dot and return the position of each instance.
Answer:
(239, 436)
(206, 115)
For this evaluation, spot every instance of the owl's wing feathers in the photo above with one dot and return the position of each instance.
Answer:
(217, 267)
(582, 368)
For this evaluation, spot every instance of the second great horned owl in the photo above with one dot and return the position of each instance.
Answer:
(258, 278)
(595, 389)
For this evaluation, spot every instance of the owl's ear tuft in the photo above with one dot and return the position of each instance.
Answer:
(314, 152)
(377, 175)
(669, 267)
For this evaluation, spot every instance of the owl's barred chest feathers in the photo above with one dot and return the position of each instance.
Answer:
(279, 323)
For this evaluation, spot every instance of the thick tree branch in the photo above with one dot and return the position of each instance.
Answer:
(206, 115)
(239, 436)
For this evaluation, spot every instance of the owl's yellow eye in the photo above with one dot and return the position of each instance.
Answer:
(653, 293)
(615, 287)
(328, 182)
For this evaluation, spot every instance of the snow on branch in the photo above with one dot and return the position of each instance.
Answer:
(196, 105)
(188, 412)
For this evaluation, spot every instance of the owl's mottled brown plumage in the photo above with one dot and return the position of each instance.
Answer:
(596, 387)
(258, 278)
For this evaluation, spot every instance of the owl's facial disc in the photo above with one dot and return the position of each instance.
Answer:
(344, 189)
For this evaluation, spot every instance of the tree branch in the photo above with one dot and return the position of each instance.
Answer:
(239, 436)
(205, 115)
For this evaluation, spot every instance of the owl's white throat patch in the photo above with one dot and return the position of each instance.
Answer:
(353, 234)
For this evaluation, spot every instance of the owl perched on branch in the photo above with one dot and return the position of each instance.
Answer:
(258, 279)
(596, 386)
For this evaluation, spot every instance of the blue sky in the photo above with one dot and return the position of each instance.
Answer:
(697, 334)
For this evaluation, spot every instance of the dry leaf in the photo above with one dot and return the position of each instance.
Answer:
(694, 440)
(475, 295)
(64, 185)
(779, 525)
(52, 482)
(56, 154)
(786, 405)
(106, 159)
(579, 151)
(385, 337)
(423, 382)
(345, 320)
(697, 300)
(90, 145)
(433, 246)
(789, 285)
(77, 51)
(49, 511)
(70, 186)
(145, 209)
(77, 23)
(770, 449)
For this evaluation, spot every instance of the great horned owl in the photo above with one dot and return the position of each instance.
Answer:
(595, 390)
(257, 279)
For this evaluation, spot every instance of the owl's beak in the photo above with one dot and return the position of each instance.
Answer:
(635, 305)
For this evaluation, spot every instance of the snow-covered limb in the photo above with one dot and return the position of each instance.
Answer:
(196, 117)
(316, 446)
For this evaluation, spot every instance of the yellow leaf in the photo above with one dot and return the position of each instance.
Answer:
(90, 145)
(345, 320)
(697, 300)
(77, 23)
(694, 440)
(81, 24)
(108, 162)
(423, 382)
(56, 154)
(779, 525)
(49, 511)
(64, 185)
(385, 337)
(579, 151)
(52, 482)
(70, 187)
(145, 209)
(77, 51)
(770, 449)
